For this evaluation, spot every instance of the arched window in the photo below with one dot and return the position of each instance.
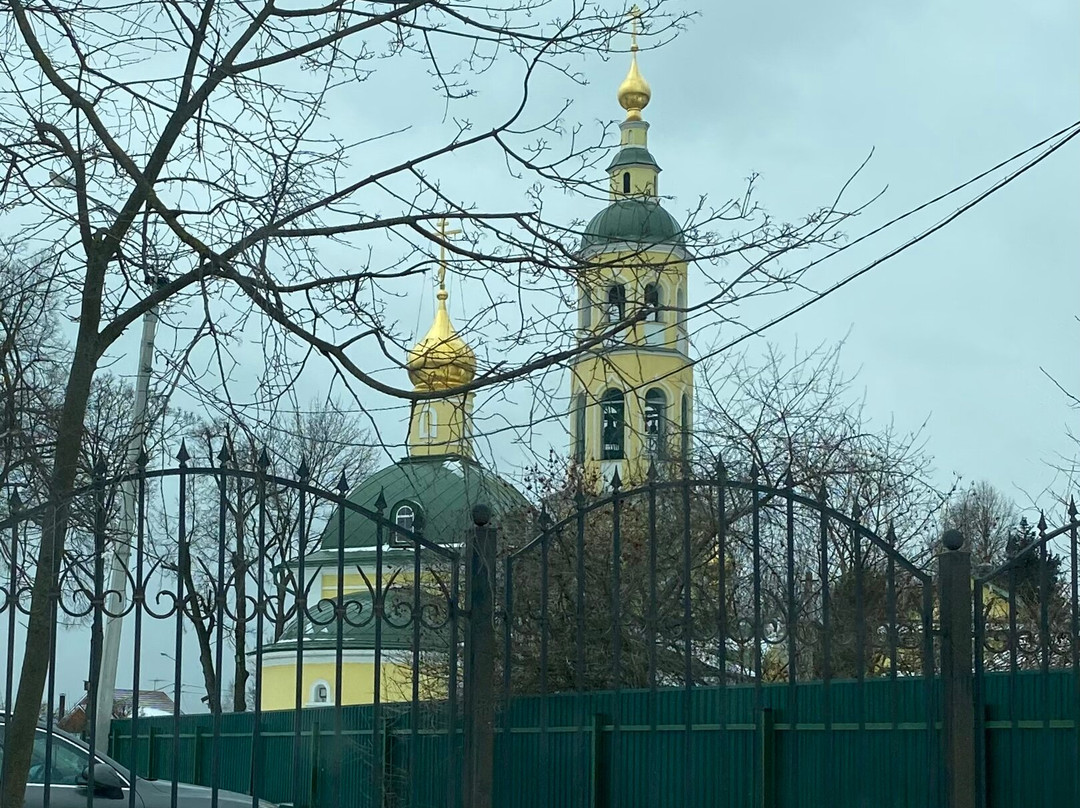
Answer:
(680, 317)
(626, 182)
(616, 302)
(652, 302)
(429, 424)
(655, 423)
(320, 693)
(585, 312)
(613, 425)
(404, 517)
(685, 424)
(579, 428)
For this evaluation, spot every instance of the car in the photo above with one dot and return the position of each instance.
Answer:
(70, 777)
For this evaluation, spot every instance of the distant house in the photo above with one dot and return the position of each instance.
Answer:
(151, 703)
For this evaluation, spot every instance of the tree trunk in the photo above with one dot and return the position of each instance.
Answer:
(41, 626)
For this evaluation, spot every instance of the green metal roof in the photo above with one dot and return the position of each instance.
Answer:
(637, 220)
(358, 624)
(444, 487)
(633, 155)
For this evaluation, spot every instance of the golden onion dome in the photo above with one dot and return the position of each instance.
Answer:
(441, 360)
(634, 92)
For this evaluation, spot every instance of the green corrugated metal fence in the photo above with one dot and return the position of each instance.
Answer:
(838, 746)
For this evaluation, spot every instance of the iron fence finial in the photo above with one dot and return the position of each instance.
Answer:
(342, 483)
(953, 539)
(183, 456)
(481, 514)
(141, 459)
(264, 460)
(380, 501)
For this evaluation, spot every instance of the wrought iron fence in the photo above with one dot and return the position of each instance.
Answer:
(722, 584)
(1026, 626)
(229, 570)
(742, 643)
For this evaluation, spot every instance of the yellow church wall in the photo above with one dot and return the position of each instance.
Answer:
(358, 683)
(354, 582)
(441, 426)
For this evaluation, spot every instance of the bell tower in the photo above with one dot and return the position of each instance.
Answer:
(632, 394)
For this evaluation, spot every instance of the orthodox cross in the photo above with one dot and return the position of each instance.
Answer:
(445, 234)
(635, 21)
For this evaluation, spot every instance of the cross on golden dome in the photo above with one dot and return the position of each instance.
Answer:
(442, 359)
(442, 224)
(634, 92)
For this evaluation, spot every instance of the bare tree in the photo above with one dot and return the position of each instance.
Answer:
(786, 423)
(215, 162)
(986, 518)
(223, 582)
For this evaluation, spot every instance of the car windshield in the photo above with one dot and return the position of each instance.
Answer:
(63, 761)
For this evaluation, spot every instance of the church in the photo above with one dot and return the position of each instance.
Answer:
(631, 394)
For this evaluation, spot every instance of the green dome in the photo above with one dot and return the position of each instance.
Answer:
(638, 220)
(444, 488)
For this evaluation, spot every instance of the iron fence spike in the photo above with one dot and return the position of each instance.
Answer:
(650, 473)
(342, 483)
(183, 456)
(15, 501)
(380, 502)
(1042, 522)
(264, 459)
(100, 468)
(1072, 509)
(141, 459)
(224, 456)
(303, 471)
(616, 481)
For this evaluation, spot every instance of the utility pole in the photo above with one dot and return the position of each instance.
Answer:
(117, 600)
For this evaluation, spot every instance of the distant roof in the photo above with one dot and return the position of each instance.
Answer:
(123, 700)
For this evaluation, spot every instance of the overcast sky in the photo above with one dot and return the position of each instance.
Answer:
(956, 330)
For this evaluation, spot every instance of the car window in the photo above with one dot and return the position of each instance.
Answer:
(68, 762)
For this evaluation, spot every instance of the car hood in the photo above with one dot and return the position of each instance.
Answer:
(157, 793)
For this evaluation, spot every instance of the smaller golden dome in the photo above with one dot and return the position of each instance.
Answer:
(441, 360)
(634, 92)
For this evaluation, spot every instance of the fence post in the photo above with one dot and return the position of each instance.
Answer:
(954, 585)
(479, 669)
